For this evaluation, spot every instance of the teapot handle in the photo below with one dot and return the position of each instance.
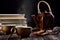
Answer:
(50, 11)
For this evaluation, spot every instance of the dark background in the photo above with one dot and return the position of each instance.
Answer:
(28, 7)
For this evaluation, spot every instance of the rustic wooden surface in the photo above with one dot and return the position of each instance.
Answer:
(32, 37)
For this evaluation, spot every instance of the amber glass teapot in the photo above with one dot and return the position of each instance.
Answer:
(44, 20)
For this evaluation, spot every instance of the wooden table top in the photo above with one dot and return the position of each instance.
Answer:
(32, 37)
